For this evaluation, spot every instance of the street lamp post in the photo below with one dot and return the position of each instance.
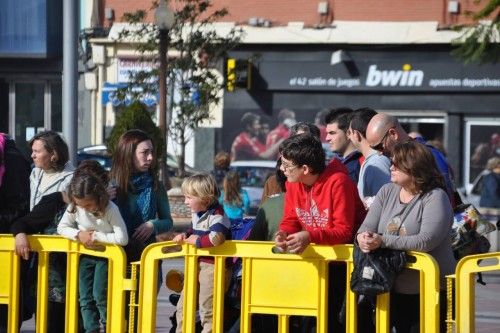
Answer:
(164, 19)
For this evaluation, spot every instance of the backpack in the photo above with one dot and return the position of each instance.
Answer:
(468, 233)
(240, 230)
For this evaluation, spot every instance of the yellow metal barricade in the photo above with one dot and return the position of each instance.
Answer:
(9, 281)
(44, 246)
(280, 284)
(466, 269)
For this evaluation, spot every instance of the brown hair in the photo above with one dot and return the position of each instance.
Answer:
(202, 186)
(88, 185)
(94, 168)
(232, 189)
(54, 144)
(416, 160)
(222, 160)
(123, 159)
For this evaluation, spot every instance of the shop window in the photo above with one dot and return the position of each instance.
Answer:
(29, 113)
(56, 106)
(482, 142)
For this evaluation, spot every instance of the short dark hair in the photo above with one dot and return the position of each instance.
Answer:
(341, 116)
(360, 119)
(248, 119)
(306, 128)
(280, 176)
(304, 149)
(54, 144)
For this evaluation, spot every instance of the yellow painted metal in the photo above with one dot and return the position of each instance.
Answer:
(465, 287)
(429, 290)
(450, 322)
(47, 245)
(279, 284)
(9, 281)
(283, 323)
(132, 286)
(72, 308)
(219, 291)
(382, 316)
(42, 292)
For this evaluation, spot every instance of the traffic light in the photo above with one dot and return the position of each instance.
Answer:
(239, 74)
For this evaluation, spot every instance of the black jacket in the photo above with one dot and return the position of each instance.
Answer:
(41, 216)
(15, 189)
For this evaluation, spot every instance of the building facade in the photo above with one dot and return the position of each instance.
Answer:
(390, 55)
(30, 67)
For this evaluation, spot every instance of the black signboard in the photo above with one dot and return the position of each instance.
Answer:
(378, 75)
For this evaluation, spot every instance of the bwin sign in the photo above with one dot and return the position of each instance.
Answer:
(402, 78)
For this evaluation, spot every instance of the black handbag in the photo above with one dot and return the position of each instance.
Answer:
(375, 272)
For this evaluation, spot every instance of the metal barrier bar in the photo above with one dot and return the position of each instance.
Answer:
(264, 295)
(46, 245)
(9, 284)
(450, 321)
(429, 290)
(133, 305)
(465, 287)
(310, 273)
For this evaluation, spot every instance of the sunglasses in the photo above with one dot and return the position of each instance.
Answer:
(380, 145)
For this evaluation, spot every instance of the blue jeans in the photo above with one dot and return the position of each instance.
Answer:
(93, 289)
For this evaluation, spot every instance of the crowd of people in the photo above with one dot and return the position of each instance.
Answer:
(382, 189)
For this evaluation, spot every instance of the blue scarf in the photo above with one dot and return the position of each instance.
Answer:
(142, 187)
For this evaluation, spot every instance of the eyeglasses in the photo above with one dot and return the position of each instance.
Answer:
(288, 167)
(380, 145)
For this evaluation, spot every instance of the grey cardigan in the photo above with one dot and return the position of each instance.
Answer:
(426, 228)
(60, 183)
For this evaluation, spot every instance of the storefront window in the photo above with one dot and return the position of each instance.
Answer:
(482, 143)
(56, 106)
(29, 115)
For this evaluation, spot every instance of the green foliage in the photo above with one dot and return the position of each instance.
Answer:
(196, 84)
(481, 43)
(136, 116)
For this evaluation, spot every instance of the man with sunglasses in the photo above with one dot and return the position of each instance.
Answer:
(384, 131)
(322, 206)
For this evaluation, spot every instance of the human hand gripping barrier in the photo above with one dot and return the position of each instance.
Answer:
(44, 246)
(278, 284)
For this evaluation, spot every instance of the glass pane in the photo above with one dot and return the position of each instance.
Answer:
(23, 27)
(484, 144)
(29, 113)
(56, 112)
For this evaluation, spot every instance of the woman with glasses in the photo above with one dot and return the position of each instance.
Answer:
(412, 213)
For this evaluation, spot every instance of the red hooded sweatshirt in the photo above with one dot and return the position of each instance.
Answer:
(331, 210)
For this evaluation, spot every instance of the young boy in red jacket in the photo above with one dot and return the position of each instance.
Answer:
(322, 206)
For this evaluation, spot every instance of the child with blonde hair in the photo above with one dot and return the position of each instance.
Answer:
(210, 227)
(91, 217)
